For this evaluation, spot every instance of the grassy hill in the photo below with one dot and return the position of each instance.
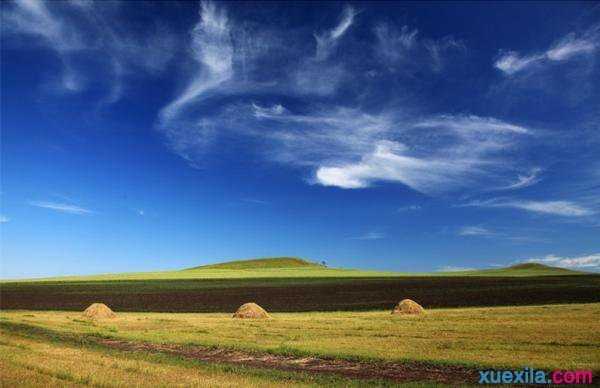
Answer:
(297, 268)
(291, 284)
(522, 269)
(269, 262)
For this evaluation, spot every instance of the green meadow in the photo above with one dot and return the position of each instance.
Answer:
(291, 268)
(507, 337)
(529, 315)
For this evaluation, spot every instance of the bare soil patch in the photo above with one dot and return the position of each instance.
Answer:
(397, 372)
(314, 295)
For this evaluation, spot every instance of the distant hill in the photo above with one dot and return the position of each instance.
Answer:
(536, 266)
(269, 262)
(521, 269)
(295, 268)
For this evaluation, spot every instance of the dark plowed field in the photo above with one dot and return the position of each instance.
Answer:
(300, 294)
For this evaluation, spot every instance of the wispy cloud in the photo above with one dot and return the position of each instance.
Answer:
(373, 235)
(61, 207)
(572, 45)
(560, 208)
(327, 40)
(585, 262)
(345, 147)
(568, 47)
(470, 158)
(409, 208)
(512, 235)
(467, 125)
(451, 268)
(212, 50)
(511, 62)
(255, 201)
(475, 231)
(291, 114)
(268, 112)
(4, 219)
(526, 180)
(34, 18)
(403, 50)
(322, 74)
(78, 29)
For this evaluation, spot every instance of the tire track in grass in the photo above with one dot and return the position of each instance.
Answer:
(410, 371)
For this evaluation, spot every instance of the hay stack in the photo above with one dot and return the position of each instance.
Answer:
(408, 306)
(99, 311)
(251, 311)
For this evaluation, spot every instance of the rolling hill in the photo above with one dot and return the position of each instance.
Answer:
(522, 269)
(293, 284)
(293, 267)
(268, 262)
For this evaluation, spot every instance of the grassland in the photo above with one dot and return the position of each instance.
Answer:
(559, 336)
(319, 314)
(33, 358)
(294, 268)
(288, 284)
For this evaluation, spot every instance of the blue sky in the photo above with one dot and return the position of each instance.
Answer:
(405, 136)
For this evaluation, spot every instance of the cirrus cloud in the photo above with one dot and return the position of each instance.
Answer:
(560, 208)
(61, 207)
(568, 47)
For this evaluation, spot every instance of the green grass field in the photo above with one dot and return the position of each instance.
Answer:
(28, 359)
(289, 268)
(446, 345)
(559, 336)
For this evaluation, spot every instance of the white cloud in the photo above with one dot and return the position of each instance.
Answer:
(326, 139)
(455, 152)
(78, 29)
(389, 162)
(570, 46)
(255, 201)
(4, 219)
(394, 45)
(370, 236)
(475, 231)
(451, 268)
(32, 17)
(318, 78)
(511, 62)
(60, 207)
(560, 208)
(268, 112)
(526, 180)
(402, 50)
(327, 40)
(212, 50)
(409, 208)
(586, 262)
(469, 124)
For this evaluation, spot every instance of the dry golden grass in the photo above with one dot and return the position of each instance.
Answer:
(557, 336)
(36, 363)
